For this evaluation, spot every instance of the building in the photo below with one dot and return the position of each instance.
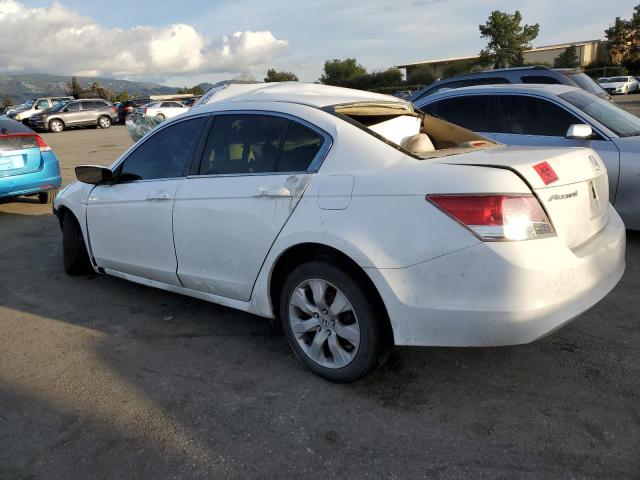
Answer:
(588, 51)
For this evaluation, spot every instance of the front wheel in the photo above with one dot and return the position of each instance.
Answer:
(74, 252)
(104, 122)
(48, 196)
(160, 117)
(56, 126)
(330, 322)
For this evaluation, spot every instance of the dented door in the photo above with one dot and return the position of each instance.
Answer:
(224, 226)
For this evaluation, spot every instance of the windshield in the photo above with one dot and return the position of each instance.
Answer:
(619, 121)
(619, 79)
(585, 82)
(58, 107)
(29, 103)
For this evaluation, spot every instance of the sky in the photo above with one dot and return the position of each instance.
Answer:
(185, 43)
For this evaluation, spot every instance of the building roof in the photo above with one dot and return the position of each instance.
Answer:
(473, 57)
(312, 94)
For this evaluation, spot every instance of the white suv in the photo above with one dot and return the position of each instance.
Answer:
(24, 111)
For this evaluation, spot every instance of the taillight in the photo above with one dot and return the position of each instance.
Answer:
(128, 109)
(42, 144)
(113, 109)
(497, 217)
(144, 110)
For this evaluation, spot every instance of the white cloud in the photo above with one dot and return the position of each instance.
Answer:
(58, 40)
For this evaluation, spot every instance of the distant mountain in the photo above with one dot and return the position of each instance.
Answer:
(21, 87)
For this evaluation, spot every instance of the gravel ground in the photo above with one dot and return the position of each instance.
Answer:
(100, 378)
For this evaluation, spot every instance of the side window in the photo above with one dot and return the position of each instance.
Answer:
(42, 104)
(243, 144)
(301, 145)
(533, 116)
(447, 86)
(541, 79)
(89, 105)
(470, 111)
(165, 105)
(165, 154)
(73, 107)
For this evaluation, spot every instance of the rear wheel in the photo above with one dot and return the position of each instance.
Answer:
(160, 116)
(48, 196)
(56, 126)
(74, 252)
(330, 323)
(104, 122)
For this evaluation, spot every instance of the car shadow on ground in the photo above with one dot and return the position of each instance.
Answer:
(100, 373)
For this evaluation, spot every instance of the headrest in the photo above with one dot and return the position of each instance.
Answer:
(419, 143)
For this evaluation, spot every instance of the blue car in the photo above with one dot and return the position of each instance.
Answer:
(28, 166)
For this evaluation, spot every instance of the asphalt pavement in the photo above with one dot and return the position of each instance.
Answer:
(101, 378)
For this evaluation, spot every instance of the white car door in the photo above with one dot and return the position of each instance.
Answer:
(253, 171)
(130, 222)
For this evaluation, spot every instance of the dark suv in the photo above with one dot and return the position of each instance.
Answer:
(538, 74)
(128, 106)
(79, 113)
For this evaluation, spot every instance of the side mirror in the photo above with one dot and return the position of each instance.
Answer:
(579, 131)
(93, 174)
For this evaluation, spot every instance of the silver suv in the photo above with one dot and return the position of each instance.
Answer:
(23, 112)
(78, 113)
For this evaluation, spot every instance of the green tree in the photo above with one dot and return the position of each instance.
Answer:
(508, 39)
(391, 77)
(281, 76)
(343, 73)
(420, 76)
(197, 90)
(619, 39)
(101, 91)
(75, 87)
(568, 58)
(120, 97)
(459, 69)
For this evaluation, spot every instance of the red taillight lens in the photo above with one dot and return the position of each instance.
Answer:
(497, 217)
(19, 146)
(144, 110)
(128, 109)
(42, 144)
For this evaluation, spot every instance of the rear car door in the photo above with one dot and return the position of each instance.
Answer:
(535, 121)
(130, 222)
(253, 171)
(72, 114)
(89, 110)
(474, 112)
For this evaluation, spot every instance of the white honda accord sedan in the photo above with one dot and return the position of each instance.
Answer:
(356, 221)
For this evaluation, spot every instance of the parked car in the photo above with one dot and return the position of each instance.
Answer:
(79, 113)
(553, 116)
(357, 221)
(28, 166)
(623, 85)
(162, 110)
(602, 80)
(531, 75)
(188, 102)
(128, 106)
(36, 105)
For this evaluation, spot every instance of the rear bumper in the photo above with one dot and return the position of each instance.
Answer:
(501, 293)
(47, 178)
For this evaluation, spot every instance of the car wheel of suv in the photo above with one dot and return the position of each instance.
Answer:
(56, 126)
(48, 196)
(74, 252)
(160, 117)
(330, 323)
(104, 122)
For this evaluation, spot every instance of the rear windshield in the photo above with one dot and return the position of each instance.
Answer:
(9, 143)
(586, 83)
(619, 121)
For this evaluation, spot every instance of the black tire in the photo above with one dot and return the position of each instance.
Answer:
(48, 196)
(373, 339)
(74, 252)
(104, 122)
(56, 126)
(160, 117)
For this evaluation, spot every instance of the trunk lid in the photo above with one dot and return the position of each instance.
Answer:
(570, 183)
(19, 155)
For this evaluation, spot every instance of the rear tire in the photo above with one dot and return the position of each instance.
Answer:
(104, 122)
(74, 251)
(160, 117)
(48, 196)
(56, 126)
(357, 330)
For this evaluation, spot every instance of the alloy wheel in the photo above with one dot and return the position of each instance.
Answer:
(324, 323)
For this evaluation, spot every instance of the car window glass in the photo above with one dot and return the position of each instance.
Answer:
(165, 105)
(176, 105)
(533, 116)
(447, 86)
(88, 105)
(73, 107)
(540, 79)
(163, 155)
(301, 145)
(243, 144)
(470, 111)
(42, 104)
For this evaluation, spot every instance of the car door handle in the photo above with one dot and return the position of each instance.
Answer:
(159, 196)
(265, 191)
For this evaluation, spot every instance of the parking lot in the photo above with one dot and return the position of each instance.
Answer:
(101, 378)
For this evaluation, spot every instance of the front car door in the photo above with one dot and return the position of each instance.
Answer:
(253, 171)
(130, 222)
